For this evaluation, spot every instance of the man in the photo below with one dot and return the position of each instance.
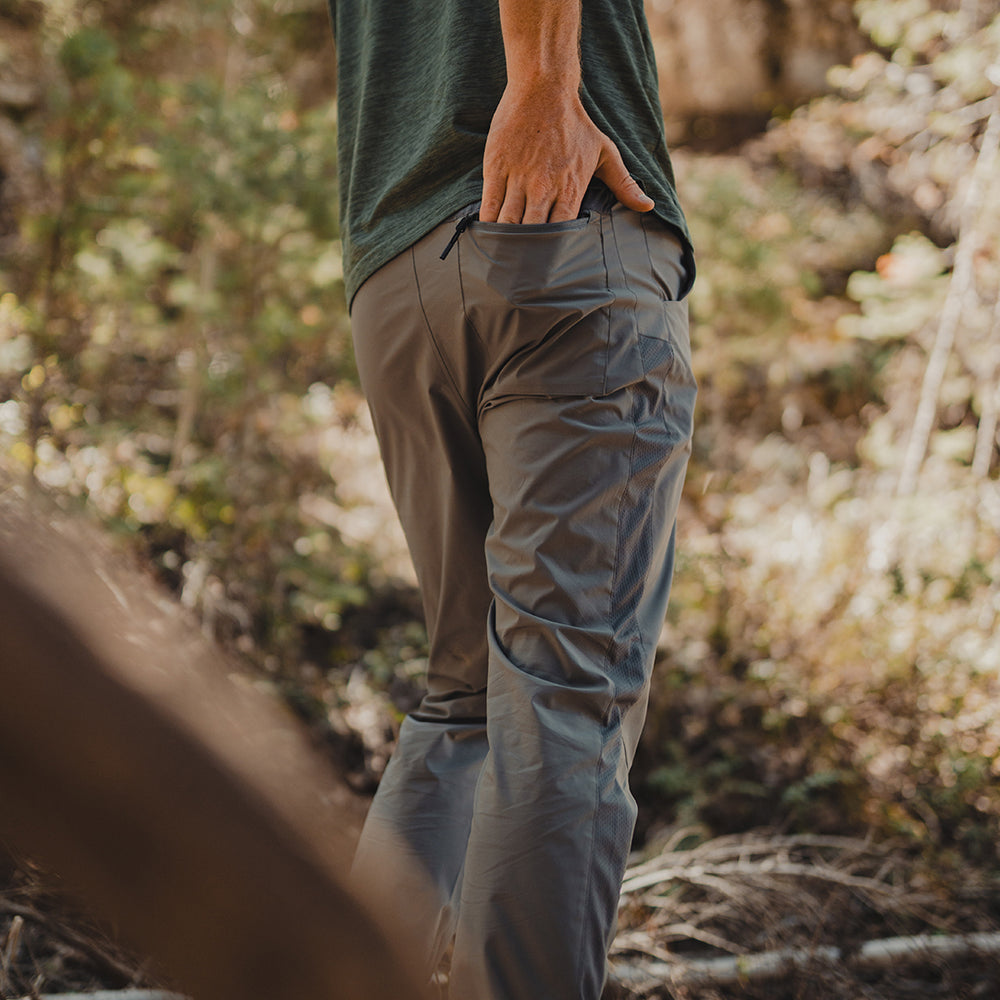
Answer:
(520, 335)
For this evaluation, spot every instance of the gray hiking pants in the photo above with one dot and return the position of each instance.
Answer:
(532, 396)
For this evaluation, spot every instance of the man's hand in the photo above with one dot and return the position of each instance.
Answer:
(541, 153)
(542, 149)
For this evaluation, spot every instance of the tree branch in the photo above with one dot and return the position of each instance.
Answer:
(641, 974)
(962, 279)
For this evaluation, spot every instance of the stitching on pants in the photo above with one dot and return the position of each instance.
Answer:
(620, 539)
(634, 311)
(465, 308)
(585, 909)
(616, 568)
(645, 240)
(613, 713)
(611, 305)
(437, 350)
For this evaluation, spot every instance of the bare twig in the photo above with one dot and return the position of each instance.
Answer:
(767, 965)
(750, 856)
(8, 953)
(951, 314)
(81, 941)
(748, 846)
(986, 434)
(764, 872)
(755, 891)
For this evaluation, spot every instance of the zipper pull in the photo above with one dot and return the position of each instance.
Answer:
(463, 224)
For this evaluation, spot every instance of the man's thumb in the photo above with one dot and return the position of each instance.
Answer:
(621, 183)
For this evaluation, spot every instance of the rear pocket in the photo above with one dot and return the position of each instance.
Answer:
(538, 299)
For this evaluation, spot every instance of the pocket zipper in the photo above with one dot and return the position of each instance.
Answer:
(463, 224)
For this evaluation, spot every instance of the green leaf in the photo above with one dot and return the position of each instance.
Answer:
(87, 53)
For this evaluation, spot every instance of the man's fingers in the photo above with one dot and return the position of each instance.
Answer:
(536, 211)
(494, 193)
(565, 208)
(510, 205)
(513, 208)
(622, 184)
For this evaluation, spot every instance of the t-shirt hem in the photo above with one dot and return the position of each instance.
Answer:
(358, 271)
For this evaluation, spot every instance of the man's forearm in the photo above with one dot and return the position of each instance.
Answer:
(542, 43)
(542, 149)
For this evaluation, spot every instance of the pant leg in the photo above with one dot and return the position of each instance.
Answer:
(560, 358)
(585, 414)
(572, 637)
(412, 847)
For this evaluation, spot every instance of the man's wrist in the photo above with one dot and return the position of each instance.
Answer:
(559, 82)
(542, 44)
(538, 87)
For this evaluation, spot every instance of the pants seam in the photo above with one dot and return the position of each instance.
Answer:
(634, 310)
(590, 864)
(616, 568)
(609, 717)
(645, 241)
(608, 309)
(452, 381)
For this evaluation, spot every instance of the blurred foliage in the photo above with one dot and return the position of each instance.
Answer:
(830, 660)
(174, 352)
(173, 313)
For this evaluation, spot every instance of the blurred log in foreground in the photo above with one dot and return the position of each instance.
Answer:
(183, 806)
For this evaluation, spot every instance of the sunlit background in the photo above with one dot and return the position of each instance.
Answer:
(175, 361)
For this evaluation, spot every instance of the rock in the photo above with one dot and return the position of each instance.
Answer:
(18, 95)
(21, 69)
(726, 65)
(25, 13)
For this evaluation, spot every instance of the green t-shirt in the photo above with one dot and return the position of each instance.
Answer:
(418, 82)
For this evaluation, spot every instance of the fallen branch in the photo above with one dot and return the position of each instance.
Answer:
(9, 949)
(762, 871)
(726, 971)
(729, 885)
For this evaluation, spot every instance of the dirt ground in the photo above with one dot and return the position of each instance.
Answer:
(50, 945)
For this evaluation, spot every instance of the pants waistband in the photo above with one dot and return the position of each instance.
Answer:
(597, 198)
